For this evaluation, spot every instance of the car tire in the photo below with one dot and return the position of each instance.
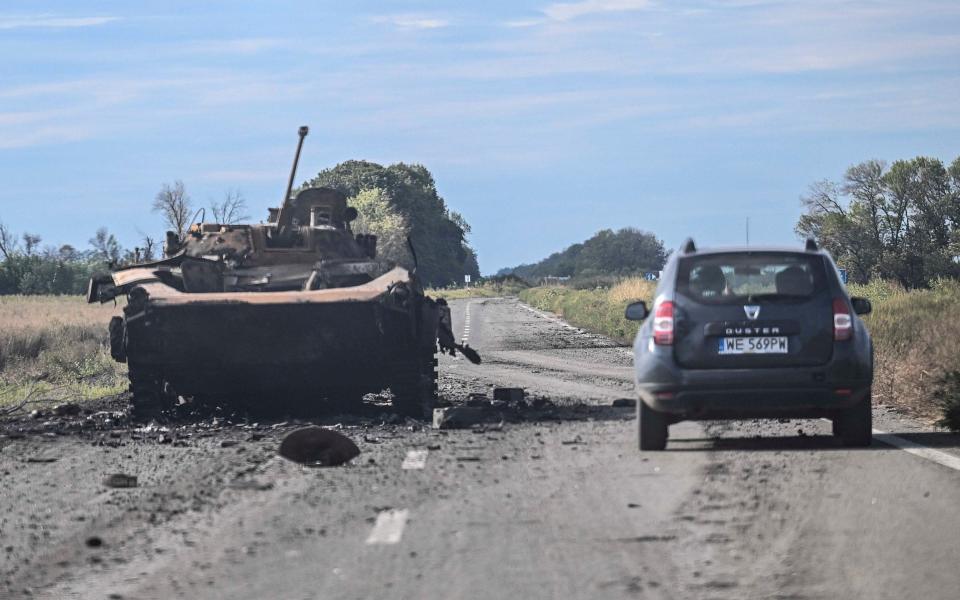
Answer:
(652, 427)
(855, 424)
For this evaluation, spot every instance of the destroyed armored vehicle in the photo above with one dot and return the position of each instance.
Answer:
(297, 309)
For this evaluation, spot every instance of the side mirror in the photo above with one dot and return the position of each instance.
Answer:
(861, 306)
(636, 311)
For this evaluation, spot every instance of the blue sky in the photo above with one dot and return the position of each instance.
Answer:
(542, 121)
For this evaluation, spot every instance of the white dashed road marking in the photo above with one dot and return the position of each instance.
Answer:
(415, 459)
(389, 526)
(466, 325)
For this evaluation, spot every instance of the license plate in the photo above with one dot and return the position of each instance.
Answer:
(752, 345)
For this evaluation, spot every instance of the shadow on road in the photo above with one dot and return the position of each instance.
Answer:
(804, 442)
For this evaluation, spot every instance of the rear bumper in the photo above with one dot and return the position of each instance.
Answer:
(816, 391)
(740, 403)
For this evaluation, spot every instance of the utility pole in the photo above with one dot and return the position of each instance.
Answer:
(748, 231)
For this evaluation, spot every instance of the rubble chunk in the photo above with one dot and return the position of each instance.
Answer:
(456, 417)
(508, 394)
(66, 409)
(120, 480)
(624, 403)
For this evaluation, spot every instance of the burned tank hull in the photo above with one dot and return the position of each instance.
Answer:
(297, 309)
(310, 347)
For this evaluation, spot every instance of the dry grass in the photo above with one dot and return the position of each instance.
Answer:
(598, 310)
(56, 343)
(915, 342)
(631, 290)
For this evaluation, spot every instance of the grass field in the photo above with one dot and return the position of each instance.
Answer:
(915, 333)
(56, 347)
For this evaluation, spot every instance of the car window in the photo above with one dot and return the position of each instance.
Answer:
(738, 277)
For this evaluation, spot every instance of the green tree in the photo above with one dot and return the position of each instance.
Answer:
(377, 216)
(627, 251)
(438, 235)
(898, 223)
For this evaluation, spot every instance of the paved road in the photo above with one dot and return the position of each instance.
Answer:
(558, 505)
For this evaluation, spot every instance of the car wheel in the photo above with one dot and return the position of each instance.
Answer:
(652, 427)
(855, 424)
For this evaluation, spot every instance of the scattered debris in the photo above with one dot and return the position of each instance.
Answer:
(318, 446)
(251, 484)
(576, 440)
(433, 447)
(94, 542)
(624, 403)
(468, 459)
(120, 480)
(456, 417)
(508, 394)
(228, 443)
(164, 439)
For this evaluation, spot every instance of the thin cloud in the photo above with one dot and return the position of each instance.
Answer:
(52, 22)
(412, 21)
(565, 11)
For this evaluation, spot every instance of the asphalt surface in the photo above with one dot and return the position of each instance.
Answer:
(554, 501)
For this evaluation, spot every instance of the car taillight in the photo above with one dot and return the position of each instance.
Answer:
(663, 323)
(842, 321)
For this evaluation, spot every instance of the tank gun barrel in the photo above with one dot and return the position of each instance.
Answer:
(283, 217)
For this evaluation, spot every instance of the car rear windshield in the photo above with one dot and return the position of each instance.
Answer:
(750, 277)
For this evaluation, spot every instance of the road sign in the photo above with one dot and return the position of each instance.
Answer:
(651, 276)
(843, 275)
(466, 279)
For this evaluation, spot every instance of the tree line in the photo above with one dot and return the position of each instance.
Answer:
(395, 203)
(619, 253)
(898, 222)
(27, 266)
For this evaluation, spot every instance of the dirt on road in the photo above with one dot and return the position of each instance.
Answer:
(544, 498)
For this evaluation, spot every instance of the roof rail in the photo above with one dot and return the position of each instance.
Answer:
(812, 245)
(689, 247)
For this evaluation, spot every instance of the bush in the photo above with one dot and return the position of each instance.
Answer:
(947, 395)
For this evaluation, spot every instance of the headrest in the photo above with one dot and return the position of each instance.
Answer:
(794, 281)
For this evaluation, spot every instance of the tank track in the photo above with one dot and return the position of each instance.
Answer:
(414, 385)
(148, 396)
